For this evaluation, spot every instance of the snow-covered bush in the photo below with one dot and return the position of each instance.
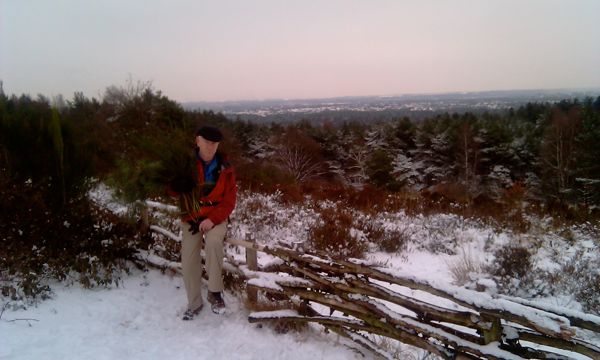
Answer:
(512, 262)
(80, 243)
(334, 233)
(465, 267)
(390, 239)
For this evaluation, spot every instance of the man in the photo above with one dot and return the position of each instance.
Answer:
(218, 191)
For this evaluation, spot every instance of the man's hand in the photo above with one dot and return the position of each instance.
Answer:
(194, 227)
(206, 225)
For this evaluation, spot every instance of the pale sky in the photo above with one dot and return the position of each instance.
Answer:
(251, 50)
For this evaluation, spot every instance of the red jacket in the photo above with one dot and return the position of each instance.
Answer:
(219, 203)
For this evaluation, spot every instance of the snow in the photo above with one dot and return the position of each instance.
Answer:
(104, 196)
(158, 205)
(142, 320)
(274, 313)
(550, 323)
(272, 280)
(166, 233)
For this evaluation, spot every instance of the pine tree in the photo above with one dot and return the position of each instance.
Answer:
(587, 171)
(380, 170)
(433, 152)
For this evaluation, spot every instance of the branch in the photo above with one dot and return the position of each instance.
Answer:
(575, 345)
(165, 232)
(498, 308)
(13, 320)
(576, 318)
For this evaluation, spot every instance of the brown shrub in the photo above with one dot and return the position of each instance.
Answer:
(368, 199)
(331, 234)
(447, 193)
(513, 262)
(391, 241)
(321, 190)
(262, 177)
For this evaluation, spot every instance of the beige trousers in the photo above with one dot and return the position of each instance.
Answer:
(191, 261)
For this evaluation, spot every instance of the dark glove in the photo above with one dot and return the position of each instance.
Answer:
(194, 226)
(182, 184)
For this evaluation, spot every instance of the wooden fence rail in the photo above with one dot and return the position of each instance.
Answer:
(363, 301)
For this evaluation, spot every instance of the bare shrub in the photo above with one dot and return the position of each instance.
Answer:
(580, 277)
(298, 155)
(463, 267)
(368, 199)
(332, 234)
(587, 292)
(388, 240)
(512, 262)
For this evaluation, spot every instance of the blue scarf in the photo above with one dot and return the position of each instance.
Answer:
(209, 171)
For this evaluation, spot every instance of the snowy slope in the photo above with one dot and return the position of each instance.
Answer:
(142, 320)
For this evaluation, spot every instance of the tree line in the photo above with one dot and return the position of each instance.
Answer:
(53, 150)
(545, 151)
(548, 152)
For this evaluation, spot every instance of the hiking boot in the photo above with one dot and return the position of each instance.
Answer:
(217, 304)
(189, 314)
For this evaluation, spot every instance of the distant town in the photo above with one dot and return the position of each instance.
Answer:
(373, 108)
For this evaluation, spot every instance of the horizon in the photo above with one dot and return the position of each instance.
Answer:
(239, 51)
(547, 90)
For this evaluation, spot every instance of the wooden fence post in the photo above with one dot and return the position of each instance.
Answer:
(252, 262)
(144, 217)
(494, 333)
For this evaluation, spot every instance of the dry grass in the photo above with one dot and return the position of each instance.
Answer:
(464, 266)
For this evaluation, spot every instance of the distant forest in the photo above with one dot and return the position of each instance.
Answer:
(540, 152)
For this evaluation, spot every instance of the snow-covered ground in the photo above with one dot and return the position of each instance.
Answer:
(141, 318)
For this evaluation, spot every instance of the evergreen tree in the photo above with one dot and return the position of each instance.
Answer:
(433, 151)
(380, 170)
(587, 172)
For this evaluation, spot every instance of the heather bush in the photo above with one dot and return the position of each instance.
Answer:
(513, 262)
(588, 293)
(333, 234)
(514, 273)
(390, 240)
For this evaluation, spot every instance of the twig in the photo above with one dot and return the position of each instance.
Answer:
(4, 308)
(13, 320)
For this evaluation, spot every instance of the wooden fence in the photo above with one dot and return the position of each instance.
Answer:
(365, 301)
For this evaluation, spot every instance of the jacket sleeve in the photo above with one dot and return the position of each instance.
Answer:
(222, 211)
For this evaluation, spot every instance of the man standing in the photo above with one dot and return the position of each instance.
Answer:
(218, 191)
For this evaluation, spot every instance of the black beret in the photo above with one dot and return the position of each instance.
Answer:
(210, 133)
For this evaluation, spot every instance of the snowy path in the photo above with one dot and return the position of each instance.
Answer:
(141, 320)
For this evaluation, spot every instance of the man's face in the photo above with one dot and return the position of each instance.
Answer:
(208, 148)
